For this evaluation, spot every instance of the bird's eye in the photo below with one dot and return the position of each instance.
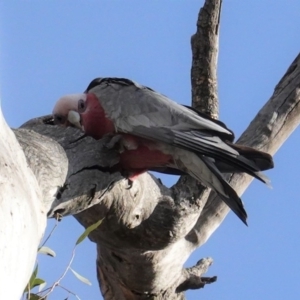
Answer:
(81, 106)
(59, 120)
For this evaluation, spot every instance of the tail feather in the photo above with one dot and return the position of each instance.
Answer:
(203, 169)
(229, 196)
(226, 157)
(248, 158)
(263, 160)
(242, 164)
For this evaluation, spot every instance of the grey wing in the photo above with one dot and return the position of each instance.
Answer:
(140, 111)
(204, 144)
(129, 105)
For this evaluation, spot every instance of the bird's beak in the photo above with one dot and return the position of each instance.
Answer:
(74, 119)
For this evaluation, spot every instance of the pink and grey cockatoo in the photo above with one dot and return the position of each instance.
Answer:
(159, 134)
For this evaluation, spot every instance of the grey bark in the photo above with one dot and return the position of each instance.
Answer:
(149, 231)
(205, 49)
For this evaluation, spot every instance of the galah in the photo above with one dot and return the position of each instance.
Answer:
(156, 133)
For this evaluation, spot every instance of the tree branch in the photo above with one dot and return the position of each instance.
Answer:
(22, 215)
(205, 48)
(193, 279)
(69, 151)
(267, 132)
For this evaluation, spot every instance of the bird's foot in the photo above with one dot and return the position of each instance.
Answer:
(115, 141)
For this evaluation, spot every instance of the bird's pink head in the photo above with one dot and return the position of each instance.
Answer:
(84, 112)
(65, 111)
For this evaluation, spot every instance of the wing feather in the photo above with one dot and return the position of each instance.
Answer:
(231, 198)
(204, 169)
(129, 104)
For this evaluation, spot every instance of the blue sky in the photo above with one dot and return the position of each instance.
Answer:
(52, 48)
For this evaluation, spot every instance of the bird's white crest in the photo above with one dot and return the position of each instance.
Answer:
(67, 103)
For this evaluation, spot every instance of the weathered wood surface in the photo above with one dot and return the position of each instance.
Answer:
(205, 49)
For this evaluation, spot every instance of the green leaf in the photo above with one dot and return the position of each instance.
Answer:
(36, 282)
(47, 251)
(81, 278)
(88, 231)
(35, 297)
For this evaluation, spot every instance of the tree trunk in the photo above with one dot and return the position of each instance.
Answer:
(23, 218)
(148, 231)
(32, 169)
